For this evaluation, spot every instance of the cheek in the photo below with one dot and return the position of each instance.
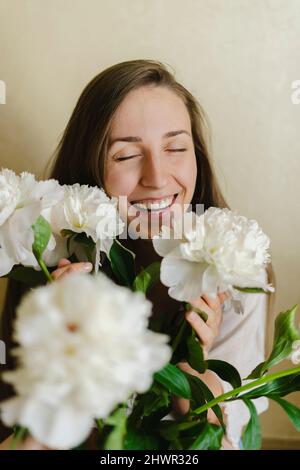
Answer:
(118, 182)
(188, 174)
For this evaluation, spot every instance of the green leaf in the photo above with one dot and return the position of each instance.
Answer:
(195, 353)
(87, 243)
(82, 239)
(176, 445)
(257, 372)
(28, 276)
(252, 437)
(42, 233)
(153, 402)
(168, 430)
(140, 439)
(198, 397)
(225, 371)
(284, 336)
(208, 395)
(115, 439)
(67, 233)
(280, 387)
(209, 439)
(291, 410)
(146, 279)
(122, 263)
(174, 380)
(70, 235)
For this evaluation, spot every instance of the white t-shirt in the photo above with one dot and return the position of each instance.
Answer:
(242, 343)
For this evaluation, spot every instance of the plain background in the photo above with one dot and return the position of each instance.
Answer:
(238, 57)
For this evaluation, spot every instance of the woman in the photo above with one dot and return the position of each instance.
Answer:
(137, 132)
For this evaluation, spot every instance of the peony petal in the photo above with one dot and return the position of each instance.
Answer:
(183, 277)
(11, 411)
(211, 281)
(61, 428)
(6, 262)
(164, 246)
(57, 428)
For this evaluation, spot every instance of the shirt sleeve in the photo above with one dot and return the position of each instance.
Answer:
(241, 343)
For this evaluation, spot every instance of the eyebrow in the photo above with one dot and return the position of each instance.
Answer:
(138, 139)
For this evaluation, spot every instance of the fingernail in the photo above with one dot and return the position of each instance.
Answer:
(87, 266)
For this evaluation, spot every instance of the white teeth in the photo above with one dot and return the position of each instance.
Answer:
(162, 204)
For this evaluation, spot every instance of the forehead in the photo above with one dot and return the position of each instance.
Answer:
(150, 107)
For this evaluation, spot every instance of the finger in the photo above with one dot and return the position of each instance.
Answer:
(216, 309)
(203, 331)
(63, 262)
(223, 296)
(212, 302)
(73, 267)
(213, 311)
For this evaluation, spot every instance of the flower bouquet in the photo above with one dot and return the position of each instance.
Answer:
(88, 362)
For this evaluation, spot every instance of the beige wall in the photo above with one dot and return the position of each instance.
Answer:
(238, 57)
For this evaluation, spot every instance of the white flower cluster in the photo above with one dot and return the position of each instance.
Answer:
(82, 209)
(22, 201)
(216, 251)
(84, 347)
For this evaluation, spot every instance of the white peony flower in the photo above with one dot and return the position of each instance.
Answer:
(88, 210)
(214, 252)
(22, 201)
(84, 348)
(9, 194)
(295, 355)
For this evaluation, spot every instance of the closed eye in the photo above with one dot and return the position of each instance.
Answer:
(132, 156)
(118, 159)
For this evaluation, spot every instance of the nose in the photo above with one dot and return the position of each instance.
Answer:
(154, 172)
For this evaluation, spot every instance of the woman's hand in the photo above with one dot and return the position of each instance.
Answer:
(209, 330)
(65, 267)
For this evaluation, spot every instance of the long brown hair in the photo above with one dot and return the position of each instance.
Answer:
(81, 153)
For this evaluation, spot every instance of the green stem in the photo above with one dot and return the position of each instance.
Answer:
(18, 436)
(45, 269)
(255, 383)
(100, 425)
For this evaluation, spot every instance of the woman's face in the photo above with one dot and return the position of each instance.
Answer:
(151, 158)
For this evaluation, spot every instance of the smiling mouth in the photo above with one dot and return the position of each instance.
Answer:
(158, 205)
